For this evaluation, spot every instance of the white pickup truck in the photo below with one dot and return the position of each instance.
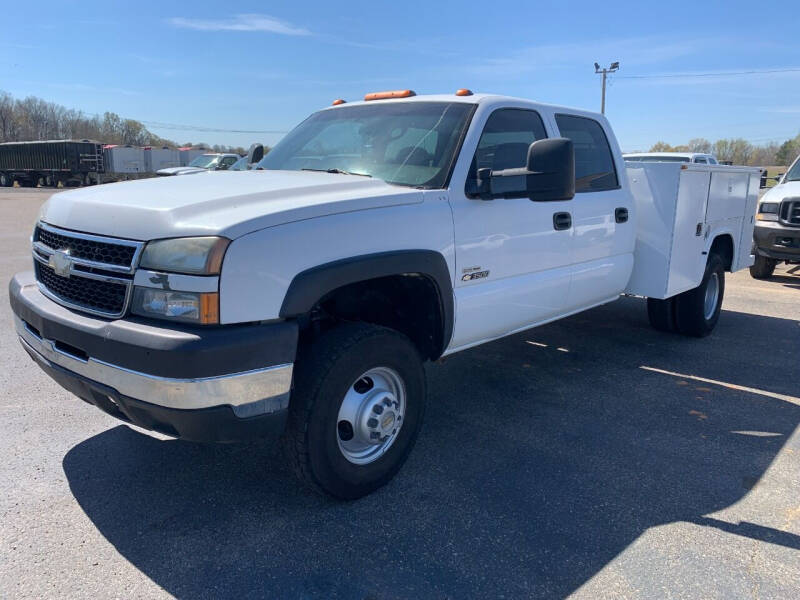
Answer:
(304, 297)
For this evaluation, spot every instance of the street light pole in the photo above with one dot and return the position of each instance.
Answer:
(605, 71)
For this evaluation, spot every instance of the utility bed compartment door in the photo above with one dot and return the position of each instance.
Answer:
(744, 257)
(727, 196)
(687, 262)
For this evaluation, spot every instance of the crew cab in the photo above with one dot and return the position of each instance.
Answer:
(777, 231)
(301, 299)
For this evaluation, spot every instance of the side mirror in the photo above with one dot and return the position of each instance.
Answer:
(548, 176)
(255, 153)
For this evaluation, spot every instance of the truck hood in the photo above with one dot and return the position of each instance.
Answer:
(224, 203)
(790, 189)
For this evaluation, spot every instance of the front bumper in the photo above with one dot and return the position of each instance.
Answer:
(205, 384)
(777, 241)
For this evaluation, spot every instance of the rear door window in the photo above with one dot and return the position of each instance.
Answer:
(594, 163)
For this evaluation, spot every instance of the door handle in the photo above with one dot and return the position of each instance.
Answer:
(562, 221)
(621, 215)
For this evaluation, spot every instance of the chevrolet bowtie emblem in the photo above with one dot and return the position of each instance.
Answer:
(60, 262)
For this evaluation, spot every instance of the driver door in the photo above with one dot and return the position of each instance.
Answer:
(513, 256)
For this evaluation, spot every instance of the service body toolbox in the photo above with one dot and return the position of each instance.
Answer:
(679, 207)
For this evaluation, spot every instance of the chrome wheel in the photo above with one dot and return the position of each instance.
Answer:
(371, 415)
(712, 296)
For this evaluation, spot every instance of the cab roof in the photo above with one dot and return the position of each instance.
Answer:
(479, 99)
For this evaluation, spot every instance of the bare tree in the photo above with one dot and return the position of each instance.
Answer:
(699, 145)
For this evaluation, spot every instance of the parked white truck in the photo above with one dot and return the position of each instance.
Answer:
(303, 298)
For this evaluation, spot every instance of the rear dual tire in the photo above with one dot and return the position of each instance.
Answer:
(695, 312)
(377, 373)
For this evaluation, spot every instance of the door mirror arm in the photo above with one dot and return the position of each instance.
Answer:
(548, 176)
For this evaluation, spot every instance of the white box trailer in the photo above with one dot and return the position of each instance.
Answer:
(160, 158)
(124, 159)
(680, 209)
(187, 155)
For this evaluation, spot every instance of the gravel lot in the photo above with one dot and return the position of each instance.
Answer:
(578, 458)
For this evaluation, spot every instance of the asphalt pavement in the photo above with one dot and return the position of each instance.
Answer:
(592, 457)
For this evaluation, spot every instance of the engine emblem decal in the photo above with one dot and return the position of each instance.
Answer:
(474, 275)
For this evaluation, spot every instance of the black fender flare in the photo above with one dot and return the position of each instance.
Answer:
(310, 286)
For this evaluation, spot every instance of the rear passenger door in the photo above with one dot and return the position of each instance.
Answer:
(603, 238)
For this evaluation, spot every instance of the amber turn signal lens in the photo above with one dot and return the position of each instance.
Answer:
(209, 308)
(390, 94)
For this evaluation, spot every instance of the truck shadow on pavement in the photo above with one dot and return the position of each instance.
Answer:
(543, 456)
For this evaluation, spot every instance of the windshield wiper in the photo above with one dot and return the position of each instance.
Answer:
(338, 171)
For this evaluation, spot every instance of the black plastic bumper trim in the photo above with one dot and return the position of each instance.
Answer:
(170, 350)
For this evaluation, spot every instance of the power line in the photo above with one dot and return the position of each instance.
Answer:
(718, 74)
(180, 127)
(177, 127)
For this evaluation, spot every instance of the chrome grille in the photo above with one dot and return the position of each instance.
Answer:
(95, 274)
(87, 249)
(790, 211)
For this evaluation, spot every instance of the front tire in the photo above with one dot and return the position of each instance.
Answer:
(697, 311)
(763, 267)
(356, 409)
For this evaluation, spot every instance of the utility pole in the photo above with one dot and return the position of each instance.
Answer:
(614, 67)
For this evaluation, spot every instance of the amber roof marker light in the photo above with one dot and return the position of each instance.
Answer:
(390, 94)
(338, 101)
(463, 92)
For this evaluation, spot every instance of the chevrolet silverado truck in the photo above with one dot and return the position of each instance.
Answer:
(777, 230)
(300, 300)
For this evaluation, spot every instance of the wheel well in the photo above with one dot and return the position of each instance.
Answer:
(723, 246)
(408, 303)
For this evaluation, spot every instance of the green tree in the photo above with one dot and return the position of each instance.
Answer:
(788, 151)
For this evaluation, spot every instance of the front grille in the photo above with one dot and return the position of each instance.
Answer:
(87, 249)
(790, 211)
(91, 294)
(99, 271)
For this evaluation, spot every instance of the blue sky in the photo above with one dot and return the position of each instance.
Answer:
(266, 65)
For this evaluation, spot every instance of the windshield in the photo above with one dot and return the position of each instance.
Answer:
(204, 161)
(240, 165)
(656, 158)
(794, 173)
(405, 143)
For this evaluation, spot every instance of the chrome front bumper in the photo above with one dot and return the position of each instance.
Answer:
(249, 393)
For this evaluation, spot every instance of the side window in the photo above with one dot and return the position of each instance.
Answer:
(594, 164)
(228, 161)
(504, 142)
(712, 161)
(701, 161)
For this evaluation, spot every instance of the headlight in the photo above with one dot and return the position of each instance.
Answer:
(191, 307)
(192, 255)
(767, 211)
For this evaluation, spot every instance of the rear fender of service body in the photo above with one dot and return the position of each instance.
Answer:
(259, 268)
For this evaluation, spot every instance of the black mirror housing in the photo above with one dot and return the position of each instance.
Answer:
(549, 175)
(255, 153)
